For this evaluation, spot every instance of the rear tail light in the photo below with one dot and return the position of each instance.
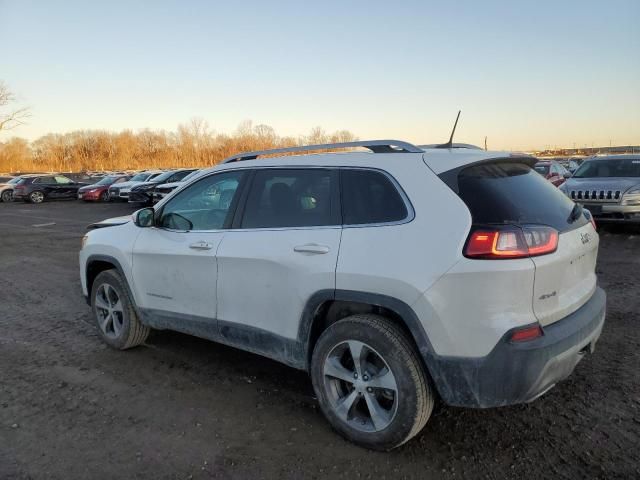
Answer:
(527, 333)
(498, 242)
(592, 220)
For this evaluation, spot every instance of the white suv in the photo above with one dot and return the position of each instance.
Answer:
(392, 276)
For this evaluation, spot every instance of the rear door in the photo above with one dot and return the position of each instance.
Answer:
(65, 187)
(509, 193)
(284, 250)
(48, 185)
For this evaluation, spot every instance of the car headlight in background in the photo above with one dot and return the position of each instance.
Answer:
(632, 196)
(83, 242)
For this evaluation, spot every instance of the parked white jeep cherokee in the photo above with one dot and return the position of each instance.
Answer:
(392, 277)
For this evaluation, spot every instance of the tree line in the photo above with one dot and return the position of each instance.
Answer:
(192, 145)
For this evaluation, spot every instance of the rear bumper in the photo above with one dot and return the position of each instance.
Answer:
(520, 372)
(89, 195)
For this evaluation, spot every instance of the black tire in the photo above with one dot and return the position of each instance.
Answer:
(36, 197)
(104, 196)
(7, 196)
(414, 398)
(132, 332)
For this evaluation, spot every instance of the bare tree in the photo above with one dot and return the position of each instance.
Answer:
(11, 118)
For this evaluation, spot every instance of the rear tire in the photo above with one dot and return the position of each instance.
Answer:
(36, 197)
(113, 309)
(390, 381)
(7, 196)
(104, 196)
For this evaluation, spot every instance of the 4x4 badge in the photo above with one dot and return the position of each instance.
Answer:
(585, 237)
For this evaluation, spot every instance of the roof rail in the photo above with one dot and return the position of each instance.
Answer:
(376, 146)
(453, 145)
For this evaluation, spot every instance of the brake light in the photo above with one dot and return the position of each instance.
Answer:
(527, 333)
(592, 220)
(511, 242)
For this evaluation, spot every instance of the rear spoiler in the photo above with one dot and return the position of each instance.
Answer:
(450, 177)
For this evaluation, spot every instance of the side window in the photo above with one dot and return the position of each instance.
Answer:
(63, 180)
(121, 180)
(205, 205)
(44, 180)
(370, 197)
(281, 198)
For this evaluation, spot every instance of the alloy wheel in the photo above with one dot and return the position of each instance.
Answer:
(37, 197)
(361, 387)
(109, 310)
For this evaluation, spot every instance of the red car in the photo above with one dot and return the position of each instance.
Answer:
(552, 171)
(99, 192)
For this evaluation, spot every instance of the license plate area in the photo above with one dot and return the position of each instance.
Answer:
(594, 209)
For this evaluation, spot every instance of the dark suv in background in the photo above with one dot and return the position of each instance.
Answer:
(143, 192)
(38, 188)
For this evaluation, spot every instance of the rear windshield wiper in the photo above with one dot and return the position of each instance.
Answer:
(576, 213)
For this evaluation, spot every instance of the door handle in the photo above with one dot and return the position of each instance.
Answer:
(202, 245)
(311, 248)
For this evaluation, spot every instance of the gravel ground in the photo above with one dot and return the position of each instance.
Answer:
(181, 407)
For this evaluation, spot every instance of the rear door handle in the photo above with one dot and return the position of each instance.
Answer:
(311, 248)
(202, 245)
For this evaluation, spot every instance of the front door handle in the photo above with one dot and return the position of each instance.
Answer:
(202, 245)
(312, 248)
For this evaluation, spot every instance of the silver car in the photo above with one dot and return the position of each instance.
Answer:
(608, 186)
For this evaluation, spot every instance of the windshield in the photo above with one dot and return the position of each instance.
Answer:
(621, 167)
(14, 181)
(140, 177)
(191, 175)
(106, 181)
(162, 177)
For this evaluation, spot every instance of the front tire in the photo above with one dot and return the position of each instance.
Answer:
(370, 382)
(114, 312)
(7, 196)
(104, 197)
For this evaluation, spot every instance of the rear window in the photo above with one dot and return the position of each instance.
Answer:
(513, 193)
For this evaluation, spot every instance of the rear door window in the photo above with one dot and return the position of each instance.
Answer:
(44, 180)
(370, 197)
(280, 198)
(513, 193)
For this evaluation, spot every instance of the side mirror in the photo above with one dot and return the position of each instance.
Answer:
(144, 218)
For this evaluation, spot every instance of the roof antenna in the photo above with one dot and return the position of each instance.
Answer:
(449, 144)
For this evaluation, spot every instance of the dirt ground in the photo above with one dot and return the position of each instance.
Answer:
(181, 407)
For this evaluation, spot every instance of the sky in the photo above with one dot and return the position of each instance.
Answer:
(525, 74)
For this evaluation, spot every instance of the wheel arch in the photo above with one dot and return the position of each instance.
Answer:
(329, 306)
(96, 264)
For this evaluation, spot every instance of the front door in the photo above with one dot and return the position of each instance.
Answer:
(174, 263)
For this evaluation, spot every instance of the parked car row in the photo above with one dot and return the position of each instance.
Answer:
(146, 187)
